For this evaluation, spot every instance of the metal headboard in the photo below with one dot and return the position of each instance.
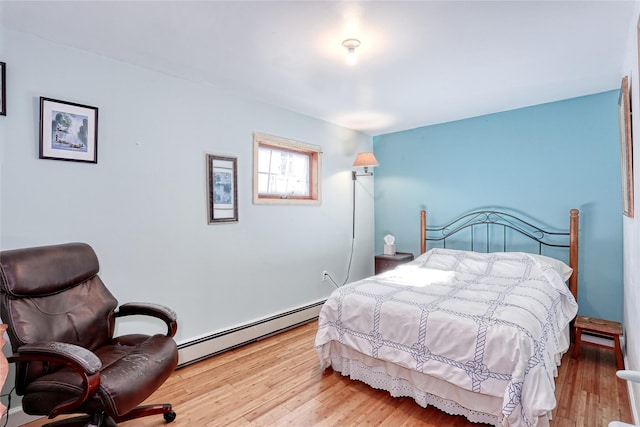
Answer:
(492, 220)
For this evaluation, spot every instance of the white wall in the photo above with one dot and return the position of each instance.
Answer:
(143, 206)
(632, 225)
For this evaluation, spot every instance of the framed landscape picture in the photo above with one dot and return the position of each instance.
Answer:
(626, 147)
(222, 189)
(68, 131)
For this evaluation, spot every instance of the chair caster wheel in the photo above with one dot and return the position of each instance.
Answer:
(169, 416)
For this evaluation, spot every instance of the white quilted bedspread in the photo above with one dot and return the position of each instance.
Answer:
(489, 323)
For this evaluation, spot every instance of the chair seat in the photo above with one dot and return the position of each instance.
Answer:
(133, 367)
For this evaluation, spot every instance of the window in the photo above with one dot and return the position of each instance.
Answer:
(285, 172)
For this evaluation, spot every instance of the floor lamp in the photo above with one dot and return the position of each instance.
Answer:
(366, 161)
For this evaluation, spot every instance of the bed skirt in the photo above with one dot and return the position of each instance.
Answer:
(425, 390)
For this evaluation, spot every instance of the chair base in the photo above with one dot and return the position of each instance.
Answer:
(103, 420)
(83, 421)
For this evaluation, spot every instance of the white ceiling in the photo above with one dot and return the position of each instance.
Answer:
(420, 62)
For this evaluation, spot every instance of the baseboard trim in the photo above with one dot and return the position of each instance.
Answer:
(632, 400)
(212, 344)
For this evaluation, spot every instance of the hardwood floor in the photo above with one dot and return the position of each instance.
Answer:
(278, 382)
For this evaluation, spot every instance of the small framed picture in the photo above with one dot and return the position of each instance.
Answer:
(222, 189)
(3, 89)
(68, 131)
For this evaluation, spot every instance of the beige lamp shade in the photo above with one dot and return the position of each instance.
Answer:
(365, 159)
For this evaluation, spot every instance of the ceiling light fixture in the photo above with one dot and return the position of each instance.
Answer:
(351, 45)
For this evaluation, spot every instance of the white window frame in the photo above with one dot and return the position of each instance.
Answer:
(315, 170)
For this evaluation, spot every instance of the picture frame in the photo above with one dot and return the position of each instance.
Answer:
(222, 189)
(626, 147)
(68, 131)
(3, 89)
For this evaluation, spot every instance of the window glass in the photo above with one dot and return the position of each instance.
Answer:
(282, 173)
(285, 171)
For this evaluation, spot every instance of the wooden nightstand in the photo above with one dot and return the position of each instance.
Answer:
(388, 262)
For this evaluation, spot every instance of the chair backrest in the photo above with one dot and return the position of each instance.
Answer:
(53, 293)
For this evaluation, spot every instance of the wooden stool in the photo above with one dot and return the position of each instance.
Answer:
(599, 327)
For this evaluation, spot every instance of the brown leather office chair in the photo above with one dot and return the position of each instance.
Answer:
(61, 321)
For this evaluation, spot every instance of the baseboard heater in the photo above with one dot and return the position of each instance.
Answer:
(595, 338)
(211, 345)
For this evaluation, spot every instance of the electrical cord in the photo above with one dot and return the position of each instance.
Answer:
(8, 396)
(353, 235)
(348, 268)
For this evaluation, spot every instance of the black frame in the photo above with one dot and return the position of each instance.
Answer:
(74, 152)
(225, 211)
(3, 89)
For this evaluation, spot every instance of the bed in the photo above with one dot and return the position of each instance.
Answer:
(478, 331)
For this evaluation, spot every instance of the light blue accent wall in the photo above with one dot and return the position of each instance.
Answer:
(542, 161)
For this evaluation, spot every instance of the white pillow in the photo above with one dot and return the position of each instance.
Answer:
(563, 269)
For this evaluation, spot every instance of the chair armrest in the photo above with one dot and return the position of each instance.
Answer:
(68, 354)
(81, 360)
(155, 310)
(629, 375)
